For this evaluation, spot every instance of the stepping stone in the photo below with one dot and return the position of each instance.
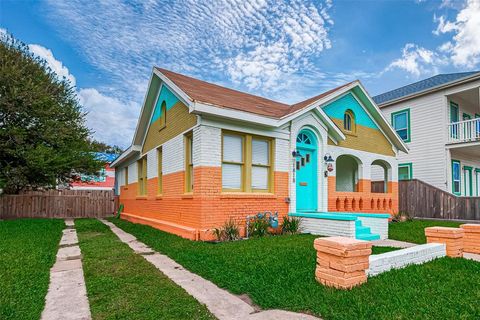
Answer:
(69, 253)
(66, 265)
(69, 237)
(69, 223)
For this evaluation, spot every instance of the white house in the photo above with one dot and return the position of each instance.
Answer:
(439, 120)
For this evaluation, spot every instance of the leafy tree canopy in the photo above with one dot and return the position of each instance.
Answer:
(43, 137)
(103, 147)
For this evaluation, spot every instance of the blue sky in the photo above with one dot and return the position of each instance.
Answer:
(286, 51)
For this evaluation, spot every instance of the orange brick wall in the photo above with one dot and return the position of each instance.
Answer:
(207, 207)
(363, 200)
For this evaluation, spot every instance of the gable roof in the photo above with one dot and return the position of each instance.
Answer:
(421, 86)
(209, 93)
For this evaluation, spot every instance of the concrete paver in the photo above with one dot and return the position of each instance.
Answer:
(392, 243)
(220, 302)
(67, 295)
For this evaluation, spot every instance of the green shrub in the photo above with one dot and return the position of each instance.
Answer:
(258, 226)
(228, 232)
(290, 225)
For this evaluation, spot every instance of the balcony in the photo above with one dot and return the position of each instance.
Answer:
(464, 131)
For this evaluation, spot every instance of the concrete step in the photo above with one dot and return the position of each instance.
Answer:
(368, 237)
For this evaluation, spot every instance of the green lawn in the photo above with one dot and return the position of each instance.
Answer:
(278, 272)
(27, 252)
(123, 285)
(414, 231)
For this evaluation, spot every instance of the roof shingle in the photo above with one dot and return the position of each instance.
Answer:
(219, 96)
(420, 86)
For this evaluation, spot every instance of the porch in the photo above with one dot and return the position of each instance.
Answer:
(463, 125)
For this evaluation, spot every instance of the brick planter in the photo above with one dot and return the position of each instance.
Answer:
(341, 261)
(471, 239)
(452, 237)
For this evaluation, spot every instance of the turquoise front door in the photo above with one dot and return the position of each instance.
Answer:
(306, 171)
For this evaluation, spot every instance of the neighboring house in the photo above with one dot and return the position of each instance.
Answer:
(105, 180)
(203, 154)
(439, 120)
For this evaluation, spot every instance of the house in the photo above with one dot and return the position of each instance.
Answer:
(202, 154)
(105, 180)
(439, 119)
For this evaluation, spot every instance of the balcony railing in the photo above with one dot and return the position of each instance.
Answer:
(464, 131)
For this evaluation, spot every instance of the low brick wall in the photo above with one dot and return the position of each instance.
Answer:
(452, 237)
(398, 259)
(325, 227)
(471, 239)
(341, 261)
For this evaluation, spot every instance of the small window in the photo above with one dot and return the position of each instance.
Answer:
(160, 172)
(188, 163)
(405, 171)
(456, 177)
(163, 115)
(349, 121)
(303, 138)
(142, 176)
(126, 175)
(401, 124)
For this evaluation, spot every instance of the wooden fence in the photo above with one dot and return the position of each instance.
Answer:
(58, 204)
(421, 200)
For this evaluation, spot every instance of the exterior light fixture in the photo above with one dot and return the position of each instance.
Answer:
(296, 154)
(329, 162)
(328, 158)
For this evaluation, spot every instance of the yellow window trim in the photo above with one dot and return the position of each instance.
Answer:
(246, 179)
(160, 170)
(188, 141)
(142, 176)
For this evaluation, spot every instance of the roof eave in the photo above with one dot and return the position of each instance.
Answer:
(127, 154)
(430, 90)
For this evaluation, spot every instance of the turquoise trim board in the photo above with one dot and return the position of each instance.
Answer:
(306, 171)
(402, 127)
(339, 215)
(337, 108)
(170, 100)
(456, 177)
(469, 178)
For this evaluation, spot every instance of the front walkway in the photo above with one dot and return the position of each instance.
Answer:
(67, 294)
(220, 302)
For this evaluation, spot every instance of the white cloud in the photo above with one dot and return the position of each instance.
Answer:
(3, 32)
(255, 42)
(464, 48)
(112, 120)
(54, 64)
(417, 60)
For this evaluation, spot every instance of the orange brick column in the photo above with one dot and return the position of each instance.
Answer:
(452, 237)
(471, 239)
(342, 262)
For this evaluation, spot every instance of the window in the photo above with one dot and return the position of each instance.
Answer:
(456, 177)
(126, 175)
(189, 163)
(246, 163)
(142, 176)
(163, 115)
(405, 171)
(260, 164)
(466, 116)
(454, 112)
(160, 172)
(349, 121)
(401, 124)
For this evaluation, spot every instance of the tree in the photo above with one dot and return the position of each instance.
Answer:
(43, 137)
(103, 147)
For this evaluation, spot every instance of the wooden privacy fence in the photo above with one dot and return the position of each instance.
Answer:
(421, 200)
(58, 204)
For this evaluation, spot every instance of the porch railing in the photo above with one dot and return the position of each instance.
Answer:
(464, 131)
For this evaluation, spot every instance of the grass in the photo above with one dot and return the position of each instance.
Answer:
(414, 230)
(123, 285)
(28, 248)
(278, 272)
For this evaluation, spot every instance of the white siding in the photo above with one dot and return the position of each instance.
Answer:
(207, 146)
(428, 136)
(282, 155)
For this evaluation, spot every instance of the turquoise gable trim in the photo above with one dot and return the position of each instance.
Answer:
(170, 100)
(337, 109)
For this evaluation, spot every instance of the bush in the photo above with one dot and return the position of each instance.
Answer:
(228, 232)
(258, 225)
(402, 217)
(290, 225)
